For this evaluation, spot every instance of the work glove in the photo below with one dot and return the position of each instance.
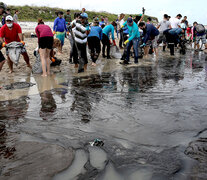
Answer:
(52, 59)
(3, 44)
(114, 42)
(22, 42)
(143, 45)
(125, 43)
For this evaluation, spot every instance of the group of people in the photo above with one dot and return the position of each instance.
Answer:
(132, 32)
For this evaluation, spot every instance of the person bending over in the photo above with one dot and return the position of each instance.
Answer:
(11, 32)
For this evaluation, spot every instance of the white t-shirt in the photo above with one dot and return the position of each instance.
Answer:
(175, 22)
(120, 23)
(164, 25)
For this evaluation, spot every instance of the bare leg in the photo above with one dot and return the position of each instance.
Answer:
(10, 63)
(48, 60)
(26, 58)
(43, 61)
(156, 51)
(146, 50)
(1, 64)
(198, 46)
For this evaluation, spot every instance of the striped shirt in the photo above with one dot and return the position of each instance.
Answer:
(80, 33)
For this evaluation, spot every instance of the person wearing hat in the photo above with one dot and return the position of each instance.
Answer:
(60, 28)
(11, 32)
(105, 40)
(81, 32)
(2, 58)
(94, 38)
(133, 39)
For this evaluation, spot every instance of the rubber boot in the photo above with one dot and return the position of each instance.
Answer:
(171, 46)
(81, 65)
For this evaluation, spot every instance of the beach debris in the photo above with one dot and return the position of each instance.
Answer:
(18, 85)
(97, 142)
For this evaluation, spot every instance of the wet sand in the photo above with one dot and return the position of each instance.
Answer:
(151, 117)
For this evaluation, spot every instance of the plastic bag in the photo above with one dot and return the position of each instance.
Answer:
(37, 67)
(114, 52)
(14, 50)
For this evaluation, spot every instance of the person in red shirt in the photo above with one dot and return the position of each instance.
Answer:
(45, 42)
(12, 32)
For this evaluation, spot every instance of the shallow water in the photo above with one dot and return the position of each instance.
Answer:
(147, 116)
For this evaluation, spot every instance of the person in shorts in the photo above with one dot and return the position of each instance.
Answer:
(11, 32)
(45, 42)
(200, 35)
(151, 35)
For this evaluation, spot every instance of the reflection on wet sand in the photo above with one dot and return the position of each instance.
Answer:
(147, 116)
(10, 113)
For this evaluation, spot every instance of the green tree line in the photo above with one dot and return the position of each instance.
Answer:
(32, 13)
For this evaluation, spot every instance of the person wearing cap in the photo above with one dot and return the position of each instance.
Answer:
(94, 38)
(11, 32)
(60, 28)
(106, 40)
(2, 58)
(133, 39)
(150, 36)
(81, 32)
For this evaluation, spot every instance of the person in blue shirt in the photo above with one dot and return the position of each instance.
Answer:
(106, 40)
(102, 23)
(150, 36)
(60, 28)
(172, 38)
(134, 37)
(94, 39)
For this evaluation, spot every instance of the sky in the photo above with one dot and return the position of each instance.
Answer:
(195, 10)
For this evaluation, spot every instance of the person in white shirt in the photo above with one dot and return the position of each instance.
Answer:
(175, 22)
(163, 26)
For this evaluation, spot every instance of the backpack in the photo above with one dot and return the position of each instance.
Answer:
(200, 29)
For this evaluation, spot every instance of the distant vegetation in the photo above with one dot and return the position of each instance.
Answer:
(32, 13)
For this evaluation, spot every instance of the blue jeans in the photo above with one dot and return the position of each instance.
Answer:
(135, 43)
